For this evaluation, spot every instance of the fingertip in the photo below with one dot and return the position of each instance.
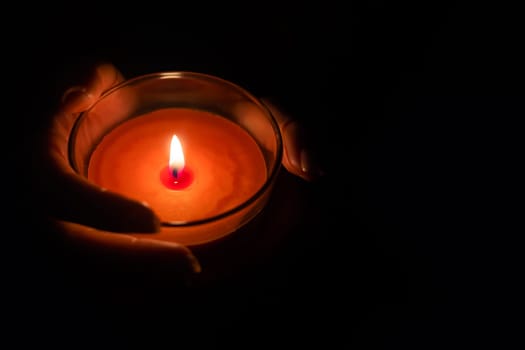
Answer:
(175, 251)
(106, 210)
(292, 141)
(310, 165)
(137, 217)
(292, 136)
(76, 99)
(106, 75)
(299, 157)
(194, 266)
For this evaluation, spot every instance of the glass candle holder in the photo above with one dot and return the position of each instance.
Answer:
(201, 151)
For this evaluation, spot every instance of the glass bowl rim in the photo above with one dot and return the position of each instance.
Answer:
(274, 171)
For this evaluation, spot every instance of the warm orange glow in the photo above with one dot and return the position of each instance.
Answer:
(176, 163)
(133, 160)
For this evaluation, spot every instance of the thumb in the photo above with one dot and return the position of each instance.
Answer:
(70, 197)
(67, 195)
(299, 156)
(126, 247)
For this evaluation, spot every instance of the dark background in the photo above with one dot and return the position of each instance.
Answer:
(411, 240)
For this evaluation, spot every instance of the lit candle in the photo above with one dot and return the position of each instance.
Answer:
(187, 164)
(176, 175)
(202, 152)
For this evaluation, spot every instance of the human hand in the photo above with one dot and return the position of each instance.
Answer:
(298, 158)
(74, 203)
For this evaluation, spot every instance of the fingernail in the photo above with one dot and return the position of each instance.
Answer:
(73, 91)
(293, 137)
(306, 161)
(155, 221)
(309, 164)
(194, 263)
(144, 220)
(76, 97)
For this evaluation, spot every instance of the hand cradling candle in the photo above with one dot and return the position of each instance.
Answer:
(201, 152)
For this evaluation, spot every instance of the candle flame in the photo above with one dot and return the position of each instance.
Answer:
(176, 163)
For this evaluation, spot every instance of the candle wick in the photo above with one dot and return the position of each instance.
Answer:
(175, 172)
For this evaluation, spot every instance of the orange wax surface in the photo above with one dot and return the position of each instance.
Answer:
(226, 164)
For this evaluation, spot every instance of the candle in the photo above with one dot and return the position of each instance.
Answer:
(223, 168)
(202, 152)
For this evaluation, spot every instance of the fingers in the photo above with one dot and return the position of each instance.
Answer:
(80, 97)
(70, 197)
(66, 194)
(126, 247)
(298, 158)
(75, 100)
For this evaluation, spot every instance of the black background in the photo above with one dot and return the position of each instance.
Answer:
(411, 240)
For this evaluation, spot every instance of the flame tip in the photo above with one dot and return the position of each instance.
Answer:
(176, 161)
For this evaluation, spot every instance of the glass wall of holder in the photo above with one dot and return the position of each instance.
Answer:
(139, 97)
